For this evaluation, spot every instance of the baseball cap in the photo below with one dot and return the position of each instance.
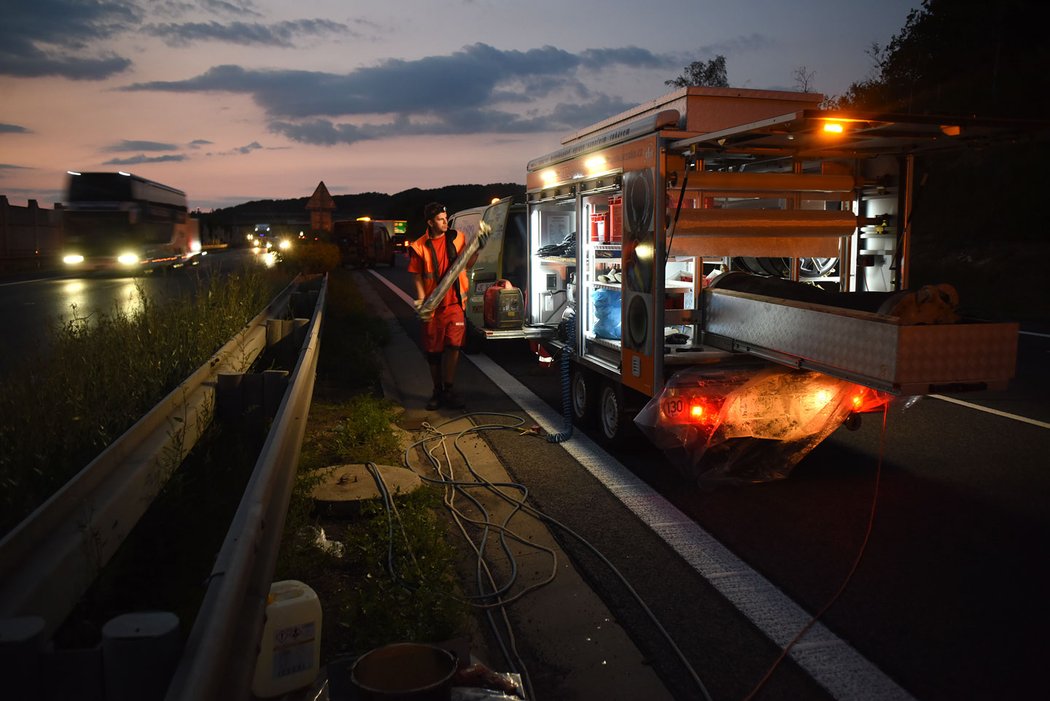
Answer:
(432, 210)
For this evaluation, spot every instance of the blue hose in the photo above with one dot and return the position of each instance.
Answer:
(566, 383)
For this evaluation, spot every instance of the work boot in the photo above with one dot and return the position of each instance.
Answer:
(435, 399)
(452, 400)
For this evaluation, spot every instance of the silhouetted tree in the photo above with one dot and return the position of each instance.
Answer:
(703, 74)
(962, 57)
(803, 79)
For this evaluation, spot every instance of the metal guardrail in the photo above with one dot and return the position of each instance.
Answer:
(54, 555)
(219, 658)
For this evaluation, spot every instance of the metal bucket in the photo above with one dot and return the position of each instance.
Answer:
(405, 672)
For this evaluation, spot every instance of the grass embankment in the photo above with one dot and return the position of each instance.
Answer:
(102, 372)
(365, 604)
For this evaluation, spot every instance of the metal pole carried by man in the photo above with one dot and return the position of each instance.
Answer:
(438, 261)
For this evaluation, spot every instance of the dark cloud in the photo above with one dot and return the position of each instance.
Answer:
(180, 8)
(253, 146)
(244, 7)
(143, 158)
(738, 45)
(630, 55)
(283, 34)
(197, 143)
(456, 93)
(11, 166)
(30, 62)
(40, 38)
(51, 38)
(12, 129)
(133, 145)
(468, 121)
(472, 76)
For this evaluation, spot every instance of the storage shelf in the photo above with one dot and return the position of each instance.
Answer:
(558, 260)
(607, 342)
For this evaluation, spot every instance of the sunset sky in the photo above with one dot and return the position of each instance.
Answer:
(238, 100)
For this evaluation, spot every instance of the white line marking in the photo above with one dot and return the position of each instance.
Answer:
(978, 407)
(832, 663)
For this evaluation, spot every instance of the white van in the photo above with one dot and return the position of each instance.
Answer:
(502, 258)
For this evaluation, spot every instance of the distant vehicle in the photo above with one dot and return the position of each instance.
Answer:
(400, 242)
(263, 240)
(124, 223)
(364, 242)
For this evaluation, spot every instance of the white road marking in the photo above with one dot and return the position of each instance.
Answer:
(987, 410)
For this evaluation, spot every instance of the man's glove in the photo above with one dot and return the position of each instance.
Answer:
(484, 231)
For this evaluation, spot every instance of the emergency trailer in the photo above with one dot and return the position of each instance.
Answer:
(729, 269)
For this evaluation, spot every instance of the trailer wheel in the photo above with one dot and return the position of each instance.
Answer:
(614, 419)
(584, 397)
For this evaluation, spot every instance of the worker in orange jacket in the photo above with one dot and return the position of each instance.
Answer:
(445, 331)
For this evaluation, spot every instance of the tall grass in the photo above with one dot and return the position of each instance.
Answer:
(103, 372)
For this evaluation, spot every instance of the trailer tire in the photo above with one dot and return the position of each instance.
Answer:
(584, 397)
(614, 419)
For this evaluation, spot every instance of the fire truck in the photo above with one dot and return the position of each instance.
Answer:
(729, 270)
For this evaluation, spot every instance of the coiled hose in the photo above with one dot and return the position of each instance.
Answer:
(566, 382)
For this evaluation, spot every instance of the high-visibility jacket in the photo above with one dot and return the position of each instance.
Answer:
(423, 247)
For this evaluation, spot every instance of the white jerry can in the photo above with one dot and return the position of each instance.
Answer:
(290, 647)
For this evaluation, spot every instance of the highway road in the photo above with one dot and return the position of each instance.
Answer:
(948, 600)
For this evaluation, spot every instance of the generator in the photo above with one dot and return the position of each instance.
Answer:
(504, 306)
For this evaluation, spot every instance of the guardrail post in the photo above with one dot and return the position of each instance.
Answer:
(73, 673)
(140, 652)
(302, 303)
(275, 383)
(229, 404)
(21, 641)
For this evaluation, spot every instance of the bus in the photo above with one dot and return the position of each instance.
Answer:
(119, 222)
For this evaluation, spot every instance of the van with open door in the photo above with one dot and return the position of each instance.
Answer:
(500, 272)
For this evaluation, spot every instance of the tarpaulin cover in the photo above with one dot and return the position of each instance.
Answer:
(743, 422)
(607, 305)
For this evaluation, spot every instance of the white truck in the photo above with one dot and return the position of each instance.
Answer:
(734, 264)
